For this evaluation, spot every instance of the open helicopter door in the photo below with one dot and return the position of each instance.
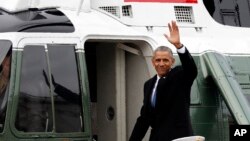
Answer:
(111, 93)
(116, 74)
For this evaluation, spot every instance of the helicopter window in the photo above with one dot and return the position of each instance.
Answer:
(64, 73)
(49, 98)
(35, 20)
(64, 27)
(34, 106)
(5, 60)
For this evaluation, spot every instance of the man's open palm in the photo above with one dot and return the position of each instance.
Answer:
(174, 37)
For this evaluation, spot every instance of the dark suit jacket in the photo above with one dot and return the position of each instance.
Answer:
(170, 118)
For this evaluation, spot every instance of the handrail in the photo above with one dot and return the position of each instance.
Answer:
(224, 77)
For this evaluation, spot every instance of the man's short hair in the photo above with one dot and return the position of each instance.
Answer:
(163, 48)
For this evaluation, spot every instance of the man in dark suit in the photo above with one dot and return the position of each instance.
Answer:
(167, 95)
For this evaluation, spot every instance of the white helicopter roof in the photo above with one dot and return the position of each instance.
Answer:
(148, 19)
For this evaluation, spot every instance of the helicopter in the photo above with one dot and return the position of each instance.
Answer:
(74, 70)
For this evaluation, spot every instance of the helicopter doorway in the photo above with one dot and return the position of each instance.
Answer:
(116, 78)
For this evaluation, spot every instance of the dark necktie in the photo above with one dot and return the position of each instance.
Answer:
(154, 94)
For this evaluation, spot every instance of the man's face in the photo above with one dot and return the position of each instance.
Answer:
(162, 61)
